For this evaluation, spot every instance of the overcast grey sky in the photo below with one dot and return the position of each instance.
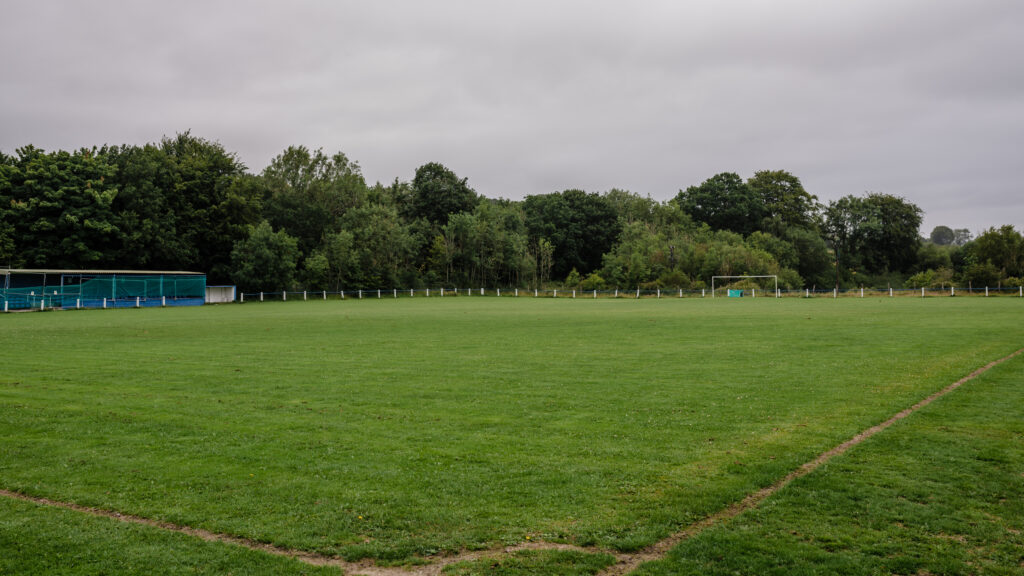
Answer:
(923, 99)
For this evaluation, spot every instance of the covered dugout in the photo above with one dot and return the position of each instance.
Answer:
(44, 288)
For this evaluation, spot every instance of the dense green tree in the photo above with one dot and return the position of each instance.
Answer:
(877, 233)
(56, 210)
(1002, 247)
(307, 193)
(942, 235)
(784, 202)
(726, 202)
(581, 228)
(266, 260)
(438, 192)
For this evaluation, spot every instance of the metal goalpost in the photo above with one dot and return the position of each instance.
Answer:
(775, 276)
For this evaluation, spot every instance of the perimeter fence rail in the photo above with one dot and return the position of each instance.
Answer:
(637, 293)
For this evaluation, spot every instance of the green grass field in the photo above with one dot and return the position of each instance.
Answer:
(396, 429)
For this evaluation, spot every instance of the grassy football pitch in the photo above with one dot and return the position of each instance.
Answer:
(395, 430)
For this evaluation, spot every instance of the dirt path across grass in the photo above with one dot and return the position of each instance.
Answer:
(625, 563)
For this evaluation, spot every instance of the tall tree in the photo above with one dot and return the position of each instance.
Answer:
(1002, 247)
(784, 201)
(266, 260)
(438, 192)
(942, 235)
(56, 210)
(581, 227)
(307, 193)
(724, 202)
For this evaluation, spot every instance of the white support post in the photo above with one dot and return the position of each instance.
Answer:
(807, 292)
(517, 292)
(680, 292)
(305, 296)
(104, 303)
(890, 291)
(325, 294)
(555, 294)
(442, 292)
(428, 292)
(753, 292)
(616, 292)
(395, 293)
(922, 291)
(5, 305)
(574, 293)
(777, 293)
(42, 303)
(659, 293)
(986, 291)
(469, 292)
(534, 292)
(1020, 291)
(163, 301)
(637, 292)
(342, 294)
(481, 291)
(952, 291)
(243, 297)
(284, 295)
(78, 303)
(360, 294)
(378, 293)
(702, 292)
(835, 293)
(861, 291)
(411, 293)
(137, 301)
(499, 292)
(595, 294)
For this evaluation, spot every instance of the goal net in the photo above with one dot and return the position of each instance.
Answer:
(768, 285)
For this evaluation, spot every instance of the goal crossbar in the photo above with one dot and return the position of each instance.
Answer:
(775, 276)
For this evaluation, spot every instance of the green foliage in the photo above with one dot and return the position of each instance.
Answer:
(876, 234)
(581, 228)
(1003, 248)
(573, 280)
(726, 202)
(266, 260)
(437, 192)
(942, 236)
(784, 201)
(308, 193)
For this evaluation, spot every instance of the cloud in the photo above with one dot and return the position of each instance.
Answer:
(920, 99)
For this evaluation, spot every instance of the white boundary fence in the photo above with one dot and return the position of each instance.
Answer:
(628, 293)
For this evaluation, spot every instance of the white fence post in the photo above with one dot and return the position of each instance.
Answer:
(574, 293)
(890, 291)
(42, 303)
(517, 292)
(395, 294)
(78, 304)
(104, 303)
(595, 294)
(284, 295)
(499, 292)
(555, 294)
(137, 301)
(360, 294)
(534, 292)
(807, 292)
(637, 292)
(481, 291)
(305, 296)
(342, 294)
(986, 291)
(922, 291)
(680, 292)
(616, 292)
(835, 293)
(861, 291)
(659, 293)
(952, 290)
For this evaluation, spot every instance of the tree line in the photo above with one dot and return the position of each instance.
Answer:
(310, 220)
